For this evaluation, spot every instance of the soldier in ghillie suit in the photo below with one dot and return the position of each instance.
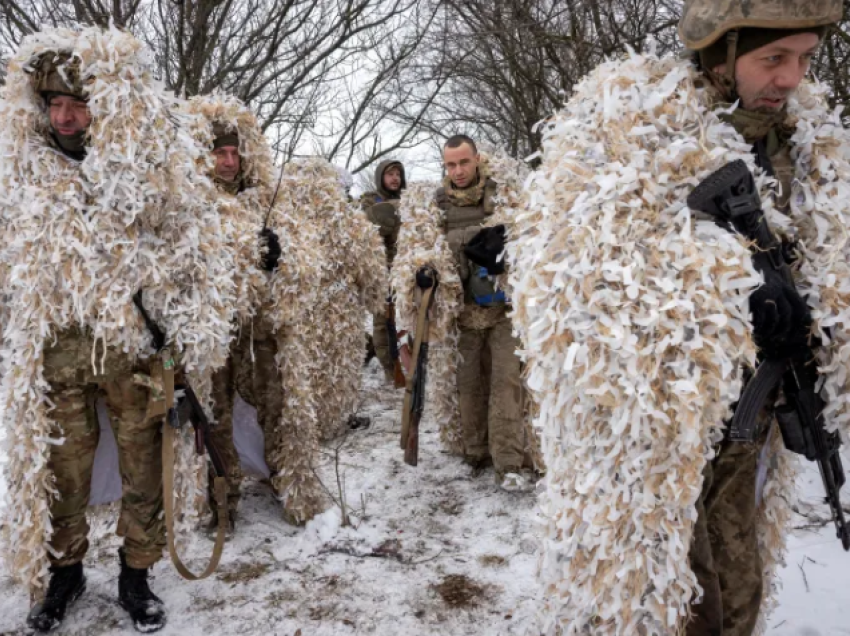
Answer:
(459, 234)
(381, 207)
(642, 319)
(276, 271)
(103, 199)
(242, 172)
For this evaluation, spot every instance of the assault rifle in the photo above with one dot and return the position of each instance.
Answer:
(414, 394)
(729, 196)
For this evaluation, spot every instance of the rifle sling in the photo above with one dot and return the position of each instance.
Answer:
(168, 459)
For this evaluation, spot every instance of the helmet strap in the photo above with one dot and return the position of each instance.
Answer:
(731, 55)
(723, 82)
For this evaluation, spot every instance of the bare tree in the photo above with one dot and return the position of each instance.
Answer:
(498, 68)
(495, 69)
(316, 72)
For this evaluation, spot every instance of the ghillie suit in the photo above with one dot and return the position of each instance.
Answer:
(271, 308)
(635, 325)
(322, 353)
(423, 241)
(82, 238)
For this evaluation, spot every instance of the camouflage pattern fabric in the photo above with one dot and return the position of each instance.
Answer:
(224, 394)
(252, 371)
(260, 385)
(490, 389)
(704, 21)
(381, 342)
(74, 388)
(725, 553)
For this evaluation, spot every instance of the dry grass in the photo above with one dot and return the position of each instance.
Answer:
(244, 572)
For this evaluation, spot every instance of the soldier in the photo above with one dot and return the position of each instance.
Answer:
(99, 206)
(242, 172)
(636, 340)
(488, 375)
(381, 207)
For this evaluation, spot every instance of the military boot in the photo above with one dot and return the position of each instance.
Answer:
(145, 608)
(66, 585)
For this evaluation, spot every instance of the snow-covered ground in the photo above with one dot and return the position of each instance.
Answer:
(438, 551)
(432, 550)
(816, 578)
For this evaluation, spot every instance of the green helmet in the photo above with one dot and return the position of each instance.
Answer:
(705, 21)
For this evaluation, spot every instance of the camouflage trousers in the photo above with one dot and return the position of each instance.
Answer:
(252, 371)
(489, 388)
(74, 390)
(725, 553)
(381, 341)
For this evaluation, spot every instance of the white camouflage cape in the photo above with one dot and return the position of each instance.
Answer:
(81, 239)
(635, 325)
(321, 353)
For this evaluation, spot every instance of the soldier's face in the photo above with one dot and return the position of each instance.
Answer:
(392, 179)
(227, 162)
(461, 165)
(766, 77)
(68, 115)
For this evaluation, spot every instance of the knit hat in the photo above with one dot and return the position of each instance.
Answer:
(222, 136)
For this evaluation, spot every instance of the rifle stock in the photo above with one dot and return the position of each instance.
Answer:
(414, 395)
(392, 336)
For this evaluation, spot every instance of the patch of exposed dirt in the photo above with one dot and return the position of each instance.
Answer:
(460, 591)
(492, 560)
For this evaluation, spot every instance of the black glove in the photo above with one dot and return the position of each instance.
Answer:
(781, 319)
(485, 247)
(426, 278)
(271, 257)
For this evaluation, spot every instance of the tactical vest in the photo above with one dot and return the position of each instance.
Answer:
(461, 223)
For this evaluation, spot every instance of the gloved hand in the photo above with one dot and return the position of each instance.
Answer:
(485, 247)
(271, 257)
(426, 278)
(781, 319)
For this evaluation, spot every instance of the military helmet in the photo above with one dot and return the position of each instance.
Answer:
(56, 73)
(705, 21)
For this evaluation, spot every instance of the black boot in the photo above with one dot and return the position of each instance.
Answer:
(134, 595)
(66, 585)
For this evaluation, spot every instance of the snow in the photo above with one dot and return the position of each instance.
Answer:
(816, 578)
(423, 530)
